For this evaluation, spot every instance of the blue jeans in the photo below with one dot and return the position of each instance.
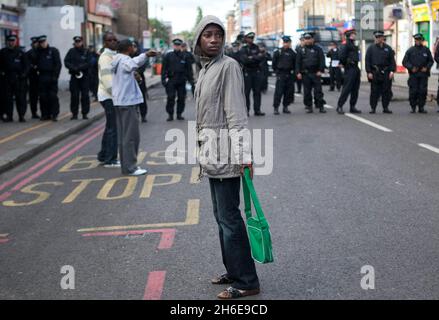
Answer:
(108, 153)
(235, 247)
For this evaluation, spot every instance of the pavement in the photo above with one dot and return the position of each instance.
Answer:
(401, 82)
(345, 192)
(22, 141)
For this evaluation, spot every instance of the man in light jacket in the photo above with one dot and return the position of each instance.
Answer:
(108, 154)
(127, 97)
(221, 106)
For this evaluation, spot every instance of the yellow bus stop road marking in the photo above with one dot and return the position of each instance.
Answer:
(4, 235)
(192, 218)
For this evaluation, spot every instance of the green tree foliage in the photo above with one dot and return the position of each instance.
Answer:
(159, 30)
(199, 16)
(189, 35)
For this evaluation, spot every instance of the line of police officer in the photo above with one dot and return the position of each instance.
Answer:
(307, 64)
(38, 69)
(37, 72)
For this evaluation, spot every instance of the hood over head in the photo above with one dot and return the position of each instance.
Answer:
(200, 28)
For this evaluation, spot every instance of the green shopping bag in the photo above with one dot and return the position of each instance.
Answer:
(257, 226)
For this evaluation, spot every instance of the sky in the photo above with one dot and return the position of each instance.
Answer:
(182, 13)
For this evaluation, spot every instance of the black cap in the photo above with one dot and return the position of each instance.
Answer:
(77, 38)
(34, 40)
(250, 35)
(42, 38)
(177, 42)
(419, 36)
(11, 37)
(286, 39)
(350, 31)
(378, 34)
(308, 35)
(235, 44)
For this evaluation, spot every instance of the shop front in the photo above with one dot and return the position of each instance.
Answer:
(422, 20)
(99, 20)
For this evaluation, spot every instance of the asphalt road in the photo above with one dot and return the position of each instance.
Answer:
(343, 194)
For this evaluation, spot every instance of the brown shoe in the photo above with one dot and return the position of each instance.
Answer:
(232, 293)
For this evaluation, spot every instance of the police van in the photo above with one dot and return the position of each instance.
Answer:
(323, 37)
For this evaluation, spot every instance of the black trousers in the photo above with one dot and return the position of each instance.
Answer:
(418, 89)
(335, 79)
(299, 86)
(94, 83)
(284, 89)
(235, 246)
(176, 88)
(312, 83)
(2, 102)
(80, 87)
(351, 86)
(143, 107)
(253, 82)
(48, 92)
(109, 145)
(15, 88)
(264, 85)
(33, 93)
(380, 88)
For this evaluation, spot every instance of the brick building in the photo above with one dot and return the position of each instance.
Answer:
(132, 18)
(270, 18)
(230, 28)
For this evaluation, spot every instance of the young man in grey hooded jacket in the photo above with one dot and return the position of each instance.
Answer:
(221, 107)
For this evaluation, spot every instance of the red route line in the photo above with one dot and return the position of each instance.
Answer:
(4, 241)
(52, 156)
(80, 142)
(154, 285)
(166, 240)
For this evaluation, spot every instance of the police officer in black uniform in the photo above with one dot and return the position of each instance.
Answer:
(251, 59)
(349, 58)
(14, 69)
(77, 61)
(380, 68)
(298, 47)
(33, 77)
(284, 64)
(48, 68)
(234, 53)
(335, 79)
(310, 65)
(177, 70)
(418, 61)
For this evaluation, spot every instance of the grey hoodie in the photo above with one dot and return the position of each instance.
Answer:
(125, 89)
(220, 104)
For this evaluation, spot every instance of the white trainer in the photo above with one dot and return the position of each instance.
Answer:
(139, 172)
(113, 165)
